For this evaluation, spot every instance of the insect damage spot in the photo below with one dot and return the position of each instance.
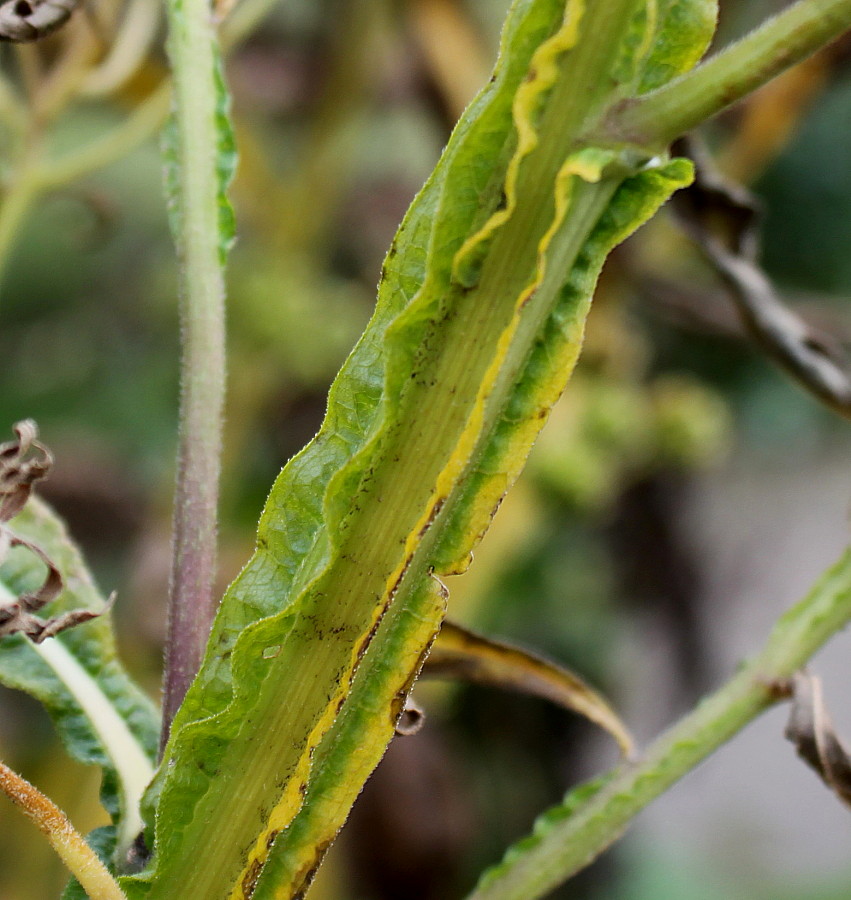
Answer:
(411, 719)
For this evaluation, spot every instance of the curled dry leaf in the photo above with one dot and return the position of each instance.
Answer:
(23, 21)
(459, 653)
(18, 473)
(23, 462)
(812, 732)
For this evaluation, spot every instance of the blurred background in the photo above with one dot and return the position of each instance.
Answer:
(683, 494)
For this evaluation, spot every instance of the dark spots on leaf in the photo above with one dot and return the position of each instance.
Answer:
(304, 877)
(527, 298)
(438, 506)
(249, 881)
(270, 838)
(367, 639)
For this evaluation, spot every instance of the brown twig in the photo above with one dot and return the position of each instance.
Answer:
(722, 219)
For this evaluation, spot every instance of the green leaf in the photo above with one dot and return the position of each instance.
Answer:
(102, 717)
(679, 34)
(479, 322)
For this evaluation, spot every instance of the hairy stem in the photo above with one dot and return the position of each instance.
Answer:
(68, 843)
(563, 844)
(196, 221)
(659, 117)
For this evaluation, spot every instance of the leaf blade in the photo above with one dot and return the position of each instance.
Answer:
(428, 424)
(102, 717)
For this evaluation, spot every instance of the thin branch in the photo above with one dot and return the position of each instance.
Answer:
(138, 127)
(657, 118)
(722, 218)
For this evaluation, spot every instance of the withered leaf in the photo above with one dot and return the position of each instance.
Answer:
(463, 654)
(23, 462)
(811, 730)
(18, 473)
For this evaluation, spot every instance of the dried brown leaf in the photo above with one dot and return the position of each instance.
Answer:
(17, 472)
(23, 462)
(462, 654)
(811, 730)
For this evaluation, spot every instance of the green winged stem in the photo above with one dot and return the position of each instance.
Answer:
(479, 322)
(568, 837)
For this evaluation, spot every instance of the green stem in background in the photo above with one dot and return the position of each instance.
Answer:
(196, 173)
(108, 148)
(569, 837)
(661, 116)
(14, 208)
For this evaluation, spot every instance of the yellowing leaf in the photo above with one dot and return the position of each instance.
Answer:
(461, 654)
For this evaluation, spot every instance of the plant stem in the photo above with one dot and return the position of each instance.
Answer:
(564, 844)
(68, 843)
(196, 221)
(659, 117)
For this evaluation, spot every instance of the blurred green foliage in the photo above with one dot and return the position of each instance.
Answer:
(341, 110)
